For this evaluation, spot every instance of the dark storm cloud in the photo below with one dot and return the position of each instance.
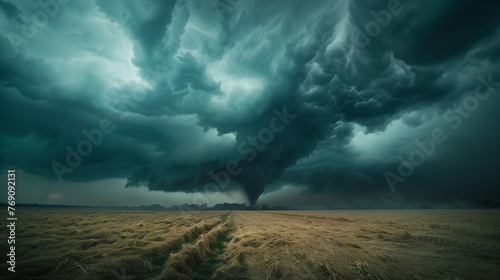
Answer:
(191, 91)
(11, 11)
(397, 74)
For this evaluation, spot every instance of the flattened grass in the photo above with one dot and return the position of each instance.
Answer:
(89, 244)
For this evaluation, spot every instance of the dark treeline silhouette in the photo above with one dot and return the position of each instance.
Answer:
(158, 207)
(478, 204)
(199, 207)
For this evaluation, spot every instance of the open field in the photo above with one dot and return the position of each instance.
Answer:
(396, 244)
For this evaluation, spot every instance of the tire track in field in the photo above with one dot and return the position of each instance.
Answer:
(199, 259)
(161, 256)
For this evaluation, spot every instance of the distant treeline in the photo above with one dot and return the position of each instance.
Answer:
(198, 207)
(482, 204)
(158, 207)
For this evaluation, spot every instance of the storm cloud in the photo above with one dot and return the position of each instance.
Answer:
(218, 96)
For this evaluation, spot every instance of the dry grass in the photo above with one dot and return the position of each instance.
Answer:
(86, 244)
(72, 244)
(461, 244)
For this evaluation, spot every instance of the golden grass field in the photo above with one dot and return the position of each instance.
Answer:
(395, 244)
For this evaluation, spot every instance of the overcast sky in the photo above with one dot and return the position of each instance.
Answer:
(312, 104)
